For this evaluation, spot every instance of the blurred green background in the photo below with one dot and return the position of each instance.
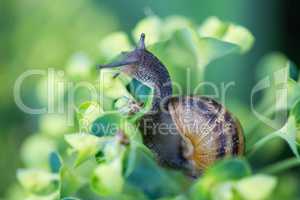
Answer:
(41, 34)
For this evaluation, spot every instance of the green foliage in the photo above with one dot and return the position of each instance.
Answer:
(277, 71)
(224, 171)
(106, 157)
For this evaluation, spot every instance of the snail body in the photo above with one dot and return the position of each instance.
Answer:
(189, 132)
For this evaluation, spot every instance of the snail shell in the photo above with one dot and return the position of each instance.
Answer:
(209, 131)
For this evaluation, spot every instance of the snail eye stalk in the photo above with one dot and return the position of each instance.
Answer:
(117, 64)
(127, 58)
(141, 44)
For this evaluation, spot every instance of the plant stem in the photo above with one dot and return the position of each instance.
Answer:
(262, 142)
(268, 112)
(281, 166)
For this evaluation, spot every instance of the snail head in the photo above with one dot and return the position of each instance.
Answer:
(128, 59)
(144, 67)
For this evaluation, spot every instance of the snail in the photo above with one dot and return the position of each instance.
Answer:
(189, 132)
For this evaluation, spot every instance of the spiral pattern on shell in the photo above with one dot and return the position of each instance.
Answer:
(209, 131)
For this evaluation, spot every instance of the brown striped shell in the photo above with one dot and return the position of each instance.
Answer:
(209, 131)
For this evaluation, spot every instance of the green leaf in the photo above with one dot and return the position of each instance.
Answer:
(123, 105)
(110, 86)
(145, 171)
(143, 98)
(107, 178)
(136, 146)
(275, 62)
(213, 27)
(107, 124)
(100, 157)
(157, 29)
(131, 156)
(210, 49)
(38, 181)
(227, 32)
(275, 73)
(295, 112)
(292, 127)
(55, 162)
(239, 36)
(75, 179)
(288, 132)
(280, 93)
(232, 169)
(186, 51)
(224, 191)
(70, 181)
(33, 155)
(130, 160)
(113, 149)
(178, 56)
(123, 128)
(186, 55)
(85, 145)
(139, 90)
(258, 187)
(87, 113)
(204, 50)
(293, 92)
(224, 170)
(174, 23)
